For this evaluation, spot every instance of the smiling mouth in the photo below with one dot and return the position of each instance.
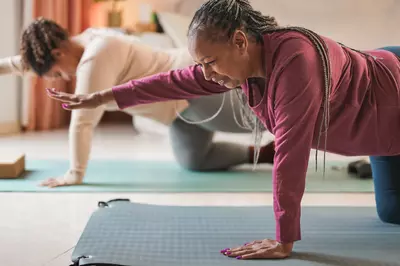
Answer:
(221, 82)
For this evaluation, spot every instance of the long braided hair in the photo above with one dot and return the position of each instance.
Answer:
(37, 42)
(218, 19)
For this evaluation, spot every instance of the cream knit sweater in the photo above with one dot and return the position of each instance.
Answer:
(109, 59)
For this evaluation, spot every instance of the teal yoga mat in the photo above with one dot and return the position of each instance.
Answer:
(165, 176)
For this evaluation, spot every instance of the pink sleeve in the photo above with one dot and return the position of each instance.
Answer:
(298, 98)
(178, 84)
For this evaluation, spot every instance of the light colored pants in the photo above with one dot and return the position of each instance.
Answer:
(193, 144)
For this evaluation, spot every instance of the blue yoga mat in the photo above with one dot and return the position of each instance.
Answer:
(164, 176)
(122, 233)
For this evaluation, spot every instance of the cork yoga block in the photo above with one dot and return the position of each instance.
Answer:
(12, 165)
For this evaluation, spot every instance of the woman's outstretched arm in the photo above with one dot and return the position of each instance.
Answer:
(11, 66)
(178, 84)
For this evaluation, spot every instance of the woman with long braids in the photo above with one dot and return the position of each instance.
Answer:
(308, 90)
(99, 59)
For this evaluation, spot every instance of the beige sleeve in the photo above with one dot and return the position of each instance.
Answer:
(11, 65)
(98, 73)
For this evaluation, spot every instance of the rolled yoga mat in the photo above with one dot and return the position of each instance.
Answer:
(165, 176)
(130, 234)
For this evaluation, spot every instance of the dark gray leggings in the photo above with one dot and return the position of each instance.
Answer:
(193, 145)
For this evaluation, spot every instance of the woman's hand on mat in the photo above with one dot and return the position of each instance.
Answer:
(73, 101)
(69, 179)
(260, 249)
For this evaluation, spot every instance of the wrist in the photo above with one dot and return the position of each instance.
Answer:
(105, 96)
(74, 176)
(287, 247)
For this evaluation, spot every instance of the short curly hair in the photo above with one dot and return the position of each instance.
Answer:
(37, 42)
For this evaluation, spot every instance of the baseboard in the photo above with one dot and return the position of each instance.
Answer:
(9, 128)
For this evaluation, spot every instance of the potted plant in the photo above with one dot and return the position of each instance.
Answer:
(114, 16)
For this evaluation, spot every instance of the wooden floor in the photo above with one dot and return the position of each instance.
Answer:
(36, 227)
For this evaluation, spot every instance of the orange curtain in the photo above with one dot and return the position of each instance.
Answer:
(73, 15)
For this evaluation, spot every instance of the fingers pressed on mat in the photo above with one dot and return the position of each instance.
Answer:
(47, 182)
(53, 184)
(253, 255)
(247, 247)
(239, 253)
(262, 254)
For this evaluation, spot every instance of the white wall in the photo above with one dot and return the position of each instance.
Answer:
(27, 18)
(360, 24)
(10, 85)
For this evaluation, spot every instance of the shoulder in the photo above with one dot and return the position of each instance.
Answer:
(287, 46)
(104, 49)
(296, 67)
(103, 45)
(91, 33)
(287, 43)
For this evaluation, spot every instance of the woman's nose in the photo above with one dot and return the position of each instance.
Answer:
(208, 73)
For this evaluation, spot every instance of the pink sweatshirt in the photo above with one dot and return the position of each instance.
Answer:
(364, 109)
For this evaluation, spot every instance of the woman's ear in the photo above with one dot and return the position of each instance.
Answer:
(240, 40)
(57, 53)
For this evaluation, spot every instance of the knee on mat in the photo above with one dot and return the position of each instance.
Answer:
(191, 163)
(389, 215)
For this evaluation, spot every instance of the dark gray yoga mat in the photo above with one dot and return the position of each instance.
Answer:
(130, 234)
